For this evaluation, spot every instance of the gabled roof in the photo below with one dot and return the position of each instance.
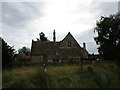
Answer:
(71, 36)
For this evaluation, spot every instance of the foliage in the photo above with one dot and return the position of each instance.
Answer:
(70, 59)
(108, 29)
(21, 57)
(25, 50)
(8, 53)
(42, 37)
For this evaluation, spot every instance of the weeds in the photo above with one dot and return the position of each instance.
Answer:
(66, 76)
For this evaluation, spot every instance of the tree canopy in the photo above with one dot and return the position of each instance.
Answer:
(108, 29)
(42, 37)
(25, 50)
(8, 53)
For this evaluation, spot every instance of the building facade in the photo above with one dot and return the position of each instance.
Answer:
(54, 50)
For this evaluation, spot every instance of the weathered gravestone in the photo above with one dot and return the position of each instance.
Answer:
(93, 62)
(103, 78)
(90, 69)
(45, 75)
(81, 63)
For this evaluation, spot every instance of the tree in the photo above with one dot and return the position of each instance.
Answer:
(25, 50)
(8, 53)
(21, 57)
(42, 37)
(23, 54)
(108, 29)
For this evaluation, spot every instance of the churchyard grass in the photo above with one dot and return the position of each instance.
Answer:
(0, 79)
(65, 76)
(23, 77)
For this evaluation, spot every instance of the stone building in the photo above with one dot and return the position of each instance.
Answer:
(54, 50)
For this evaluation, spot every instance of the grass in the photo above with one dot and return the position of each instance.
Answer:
(0, 79)
(66, 76)
(25, 77)
(73, 77)
(62, 76)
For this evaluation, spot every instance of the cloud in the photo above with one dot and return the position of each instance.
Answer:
(19, 14)
(108, 8)
(15, 17)
(23, 21)
(88, 38)
(0, 19)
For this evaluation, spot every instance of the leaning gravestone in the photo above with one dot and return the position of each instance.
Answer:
(103, 78)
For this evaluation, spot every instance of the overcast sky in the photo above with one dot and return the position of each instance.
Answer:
(23, 21)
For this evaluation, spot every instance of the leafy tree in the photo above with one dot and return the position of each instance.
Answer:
(108, 29)
(8, 53)
(25, 50)
(21, 57)
(42, 37)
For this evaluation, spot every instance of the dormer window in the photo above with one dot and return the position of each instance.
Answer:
(69, 44)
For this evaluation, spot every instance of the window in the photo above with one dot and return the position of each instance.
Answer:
(69, 44)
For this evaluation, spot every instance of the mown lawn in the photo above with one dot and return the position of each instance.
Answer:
(66, 76)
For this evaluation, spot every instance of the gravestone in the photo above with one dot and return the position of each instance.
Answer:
(45, 75)
(44, 65)
(81, 63)
(93, 62)
(45, 70)
(89, 69)
(103, 78)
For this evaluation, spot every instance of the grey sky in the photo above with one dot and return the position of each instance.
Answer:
(23, 21)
